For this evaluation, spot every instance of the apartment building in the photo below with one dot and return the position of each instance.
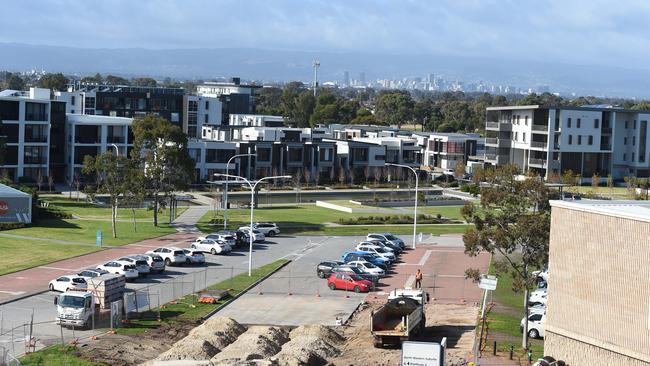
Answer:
(93, 135)
(33, 126)
(443, 151)
(587, 140)
(235, 97)
(398, 150)
(200, 111)
(598, 297)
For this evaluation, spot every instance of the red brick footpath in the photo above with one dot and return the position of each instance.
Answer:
(443, 268)
(17, 285)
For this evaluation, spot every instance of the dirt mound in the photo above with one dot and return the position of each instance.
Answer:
(255, 344)
(310, 345)
(205, 341)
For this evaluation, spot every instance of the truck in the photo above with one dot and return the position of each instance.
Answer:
(75, 308)
(401, 318)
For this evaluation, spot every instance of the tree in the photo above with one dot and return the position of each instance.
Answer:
(459, 170)
(135, 192)
(57, 82)
(109, 172)
(568, 177)
(513, 222)
(595, 182)
(144, 82)
(96, 79)
(161, 149)
(269, 101)
(394, 108)
(15, 82)
(50, 181)
(39, 179)
(610, 183)
(116, 80)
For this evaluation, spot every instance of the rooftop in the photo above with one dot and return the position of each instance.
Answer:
(6, 191)
(633, 210)
(592, 108)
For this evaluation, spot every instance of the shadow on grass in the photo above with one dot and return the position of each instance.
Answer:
(55, 224)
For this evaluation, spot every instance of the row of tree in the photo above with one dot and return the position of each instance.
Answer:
(58, 81)
(158, 165)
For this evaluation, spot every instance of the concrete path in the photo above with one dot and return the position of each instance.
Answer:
(186, 222)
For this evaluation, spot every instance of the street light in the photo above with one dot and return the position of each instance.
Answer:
(415, 210)
(252, 186)
(225, 209)
(117, 149)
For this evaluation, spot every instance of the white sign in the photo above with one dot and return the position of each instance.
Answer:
(422, 354)
(488, 283)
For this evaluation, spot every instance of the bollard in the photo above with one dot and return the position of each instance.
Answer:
(512, 350)
(530, 356)
(494, 349)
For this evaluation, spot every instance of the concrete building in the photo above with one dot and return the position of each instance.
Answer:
(236, 98)
(586, 140)
(200, 111)
(443, 151)
(599, 294)
(33, 126)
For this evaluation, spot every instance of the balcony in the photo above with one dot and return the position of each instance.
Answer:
(539, 128)
(498, 126)
(496, 159)
(538, 162)
(491, 141)
(538, 145)
(606, 130)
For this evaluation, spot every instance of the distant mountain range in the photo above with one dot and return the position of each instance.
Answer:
(282, 65)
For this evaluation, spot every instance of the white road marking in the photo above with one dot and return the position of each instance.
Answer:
(57, 268)
(14, 293)
(424, 258)
(409, 282)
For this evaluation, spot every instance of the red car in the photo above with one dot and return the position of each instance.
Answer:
(344, 281)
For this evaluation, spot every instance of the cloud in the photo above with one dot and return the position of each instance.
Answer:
(571, 31)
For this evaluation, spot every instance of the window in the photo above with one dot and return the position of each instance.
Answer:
(526, 121)
(642, 141)
(634, 128)
(360, 154)
(578, 123)
(568, 122)
(624, 157)
(295, 154)
(579, 139)
(633, 140)
(624, 140)
(35, 111)
(264, 154)
(590, 140)
(207, 105)
(35, 133)
(72, 100)
(626, 124)
(535, 317)
(632, 160)
(596, 123)
(515, 136)
(35, 155)
(570, 139)
(205, 119)
(523, 136)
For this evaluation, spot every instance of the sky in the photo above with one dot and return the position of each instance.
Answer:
(589, 32)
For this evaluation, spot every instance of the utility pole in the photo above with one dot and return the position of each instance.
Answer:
(315, 65)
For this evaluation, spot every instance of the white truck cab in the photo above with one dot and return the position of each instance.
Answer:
(75, 308)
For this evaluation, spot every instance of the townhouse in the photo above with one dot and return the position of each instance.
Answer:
(587, 140)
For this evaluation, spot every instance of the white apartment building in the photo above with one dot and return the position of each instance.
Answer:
(211, 157)
(443, 151)
(200, 111)
(29, 119)
(586, 140)
(255, 120)
(93, 135)
(398, 150)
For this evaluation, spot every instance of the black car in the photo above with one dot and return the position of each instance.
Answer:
(324, 269)
(351, 269)
(241, 238)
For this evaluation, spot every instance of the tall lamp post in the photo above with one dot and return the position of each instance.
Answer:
(225, 207)
(415, 209)
(117, 149)
(252, 186)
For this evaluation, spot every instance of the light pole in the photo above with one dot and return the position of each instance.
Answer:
(415, 210)
(117, 149)
(252, 186)
(225, 191)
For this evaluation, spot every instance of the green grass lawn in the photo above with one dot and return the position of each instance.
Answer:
(310, 219)
(452, 212)
(56, 356)
(85, 210)
(32, 253)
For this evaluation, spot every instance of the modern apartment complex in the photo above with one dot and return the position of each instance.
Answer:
(598, 293)
(587, 140)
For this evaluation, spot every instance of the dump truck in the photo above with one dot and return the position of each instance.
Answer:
(400, 318)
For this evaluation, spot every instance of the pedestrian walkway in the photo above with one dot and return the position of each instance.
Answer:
(187, 221)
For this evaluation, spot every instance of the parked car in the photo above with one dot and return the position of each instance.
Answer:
(346, 268)
(538, 297)
(324, 269)
(375, 249)
(64, 283)
(367, 257)
(367, 267)
(120, 267)
(258, 236)
(212, 246)
(195, 256)
(378, 244)
(388, 237)
(91, 273)
(155, 262)
(343, 281)
(222, 237)
(536, 323)
(171, 255)
(386, 244)
(241, 238)
(141, 265)
(267, 228)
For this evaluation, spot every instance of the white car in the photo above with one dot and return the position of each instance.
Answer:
(227, 239)
(122, 268)
(536, 323)
(538, 297)
(211, 246)
(64, 283)
(140, 264)
(375, 249)
(195, 256)
(91, 273)
(368, 267)
(155, 262)
(171, 255)
(380, 244)
(388, 237)
(258, 236)
(267, 228)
